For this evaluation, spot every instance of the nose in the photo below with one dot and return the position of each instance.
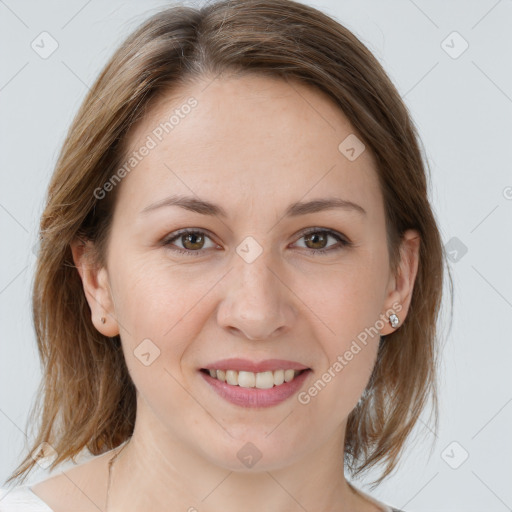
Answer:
(256, 303)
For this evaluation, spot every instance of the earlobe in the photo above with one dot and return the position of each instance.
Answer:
(96, 287)
(400, 295)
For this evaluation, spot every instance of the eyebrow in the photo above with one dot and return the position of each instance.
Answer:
(295, 209)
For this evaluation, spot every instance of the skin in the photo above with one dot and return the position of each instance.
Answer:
(253, 145)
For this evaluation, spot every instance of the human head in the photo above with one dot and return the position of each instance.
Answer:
(174, 49)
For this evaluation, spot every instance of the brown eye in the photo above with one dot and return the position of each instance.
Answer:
(317, 239)
(192, 241)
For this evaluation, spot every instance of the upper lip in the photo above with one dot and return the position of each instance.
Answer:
(246, 365)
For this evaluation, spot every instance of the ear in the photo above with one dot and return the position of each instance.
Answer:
(401, 285)
(96, 285)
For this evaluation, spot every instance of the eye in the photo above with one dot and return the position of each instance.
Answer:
(193, 240)
(318, 237)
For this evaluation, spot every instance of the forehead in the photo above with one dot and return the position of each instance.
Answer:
(246, 138)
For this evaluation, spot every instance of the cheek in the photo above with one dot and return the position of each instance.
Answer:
(348, 297)
(159, 311)
(157, 300)
(348, 300)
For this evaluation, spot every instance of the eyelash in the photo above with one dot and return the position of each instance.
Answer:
(321, 252)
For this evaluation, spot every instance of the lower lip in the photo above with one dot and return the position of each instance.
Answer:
(254, 397)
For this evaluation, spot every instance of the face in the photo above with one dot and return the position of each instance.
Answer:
(249, 278)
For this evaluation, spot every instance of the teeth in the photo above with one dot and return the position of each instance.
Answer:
(262, 380)
(232, 377)
(289, 375)
(279, 377)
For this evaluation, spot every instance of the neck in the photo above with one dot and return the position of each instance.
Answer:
(155, 471)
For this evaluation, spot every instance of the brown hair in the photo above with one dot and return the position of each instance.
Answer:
(87, 395)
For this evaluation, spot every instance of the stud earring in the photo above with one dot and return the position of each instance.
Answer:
(103, 319)
(393, 320)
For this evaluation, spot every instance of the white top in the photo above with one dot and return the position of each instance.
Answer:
(22, 499)
(383, 506)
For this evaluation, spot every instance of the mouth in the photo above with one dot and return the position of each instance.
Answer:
(259, 380)
(255, 390)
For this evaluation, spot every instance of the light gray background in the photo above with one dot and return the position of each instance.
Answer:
(462, 107)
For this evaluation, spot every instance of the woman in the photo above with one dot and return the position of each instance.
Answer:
(239, 275)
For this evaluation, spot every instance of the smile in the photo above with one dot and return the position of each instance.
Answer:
(255, 390)
(260, 380)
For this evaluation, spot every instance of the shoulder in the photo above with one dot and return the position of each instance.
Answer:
(368, 498)
(80, 488)
(21, 499)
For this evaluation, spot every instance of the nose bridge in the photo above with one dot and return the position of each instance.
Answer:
(254, 301)
(257, 282)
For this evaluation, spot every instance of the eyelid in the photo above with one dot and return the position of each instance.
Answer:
(340, 237)
(185, 231)
(329, 231)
